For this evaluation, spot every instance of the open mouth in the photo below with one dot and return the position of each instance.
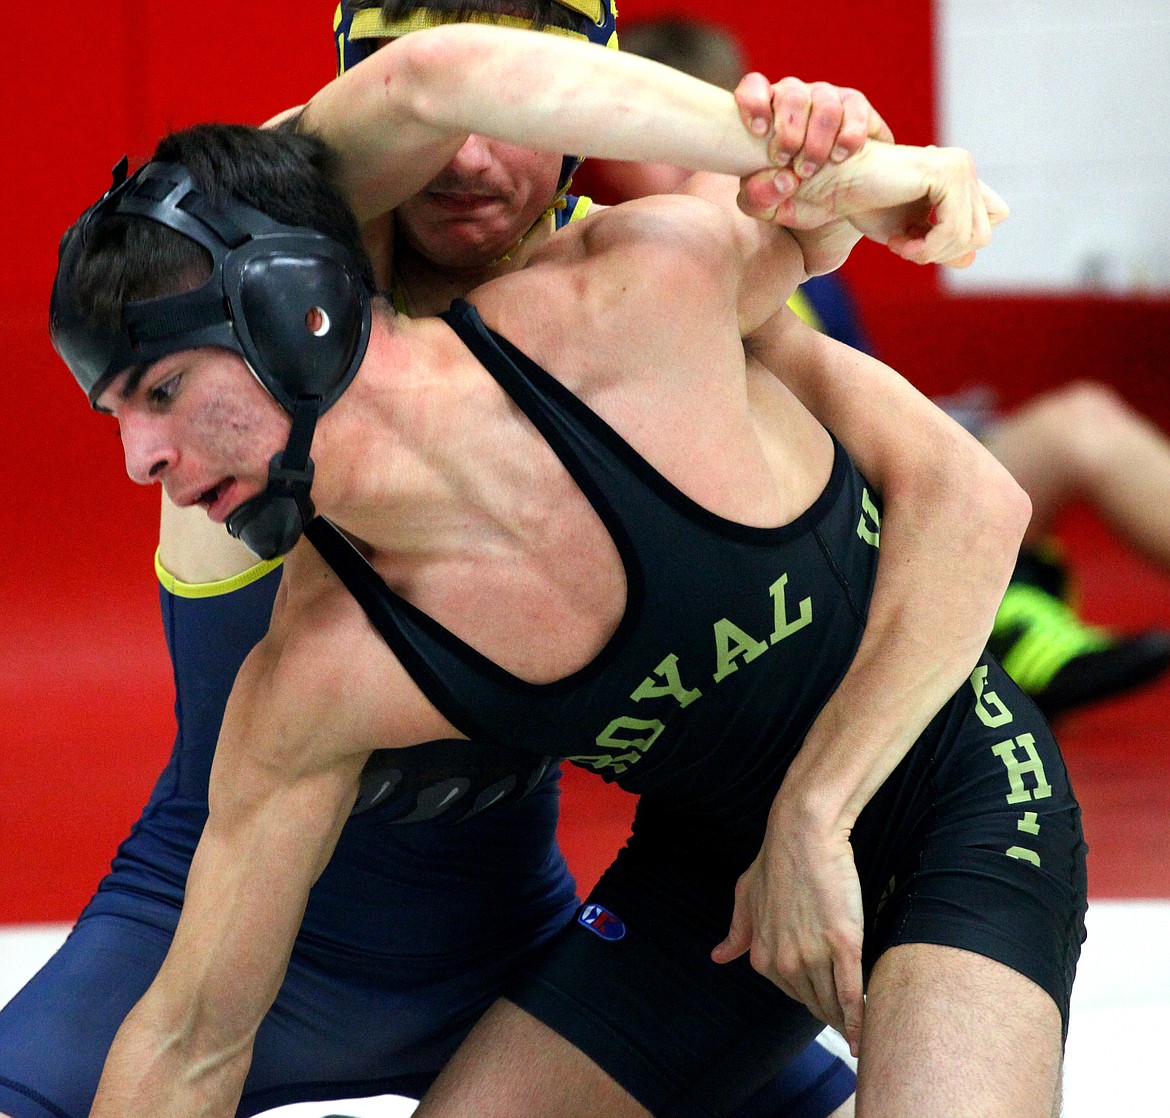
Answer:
(212, 500)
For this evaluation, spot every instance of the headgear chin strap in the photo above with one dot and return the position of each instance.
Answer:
(272, 521)
(291, 301)
(358, 31)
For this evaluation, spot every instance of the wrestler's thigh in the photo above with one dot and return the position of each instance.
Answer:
(950, 1034)
(56, 1031)
(513, 1066)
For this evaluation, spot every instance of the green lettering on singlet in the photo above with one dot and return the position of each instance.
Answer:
(1017, 769)
(988, 705)
(613, 737)
(1024, 854)
(649, 688)
(869, 526)
(784, 627)
(1028, 824)
(731, 641)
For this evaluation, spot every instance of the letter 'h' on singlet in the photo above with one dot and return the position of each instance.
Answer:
(731, 639)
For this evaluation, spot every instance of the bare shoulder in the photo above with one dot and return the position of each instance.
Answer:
(595, 272)
(664, 222)
(322, 682)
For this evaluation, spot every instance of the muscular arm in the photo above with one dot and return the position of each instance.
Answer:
(951, 526)
(280, 792)
(952, 521)
(546, 92)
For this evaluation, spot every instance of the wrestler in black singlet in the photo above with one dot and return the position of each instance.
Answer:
(732, 639)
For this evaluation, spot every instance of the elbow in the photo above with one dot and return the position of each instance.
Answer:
(986, 510)
(413, 83)
(1019, 505)
(1000, 513)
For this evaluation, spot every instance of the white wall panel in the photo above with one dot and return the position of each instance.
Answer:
(1066, 105)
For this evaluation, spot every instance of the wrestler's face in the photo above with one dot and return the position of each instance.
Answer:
(480, 205)
(199, 423)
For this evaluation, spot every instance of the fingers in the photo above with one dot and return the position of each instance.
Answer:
(739, 935)
(997, 208)
(753, 98)
(860, 122)
(965, 210)
(850, 996)
(808, 119)
(768, 195)
(809, 124)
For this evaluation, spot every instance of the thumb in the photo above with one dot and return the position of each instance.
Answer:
(763, 194)
(997, 208)
(739, 938)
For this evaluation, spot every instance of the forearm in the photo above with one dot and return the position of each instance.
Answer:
(926, 204)
(951, 525)
(538, 90)
(186, 1047)
(150, 1070)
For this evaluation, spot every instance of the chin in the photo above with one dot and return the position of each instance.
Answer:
(464, 252)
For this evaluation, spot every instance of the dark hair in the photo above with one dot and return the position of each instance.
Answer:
(703, 50)
(541, 13)
(282, 174)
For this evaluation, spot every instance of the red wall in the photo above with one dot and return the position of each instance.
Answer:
(83, 681)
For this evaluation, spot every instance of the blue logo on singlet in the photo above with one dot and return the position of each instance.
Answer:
(601, 922)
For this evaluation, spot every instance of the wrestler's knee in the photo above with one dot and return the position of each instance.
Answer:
(1083, 424)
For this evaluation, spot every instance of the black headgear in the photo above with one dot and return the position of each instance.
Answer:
(291, 301)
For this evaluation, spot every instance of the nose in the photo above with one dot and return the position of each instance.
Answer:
(149, 454)
(473, 158)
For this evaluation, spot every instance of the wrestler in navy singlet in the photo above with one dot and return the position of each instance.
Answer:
(732, 639)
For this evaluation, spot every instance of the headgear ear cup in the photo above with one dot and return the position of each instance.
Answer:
(301, 314)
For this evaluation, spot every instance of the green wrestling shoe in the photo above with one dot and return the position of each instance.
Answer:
(1061, 662)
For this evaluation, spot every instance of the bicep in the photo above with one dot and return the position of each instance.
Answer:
(767, 257)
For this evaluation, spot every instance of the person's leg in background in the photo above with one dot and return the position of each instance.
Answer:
(1080, 442)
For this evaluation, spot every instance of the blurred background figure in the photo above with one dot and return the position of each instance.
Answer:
(1078, 442)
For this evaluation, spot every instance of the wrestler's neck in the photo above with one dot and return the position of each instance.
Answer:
(420, 286)
(392, 456)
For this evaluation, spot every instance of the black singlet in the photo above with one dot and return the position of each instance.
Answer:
(732, 638)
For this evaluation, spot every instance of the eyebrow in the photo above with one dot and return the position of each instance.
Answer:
(133, 380)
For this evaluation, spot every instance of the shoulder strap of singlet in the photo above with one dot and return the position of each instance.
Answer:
(575, 207)
(600, 461)
(427, 650)
(411, 634)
